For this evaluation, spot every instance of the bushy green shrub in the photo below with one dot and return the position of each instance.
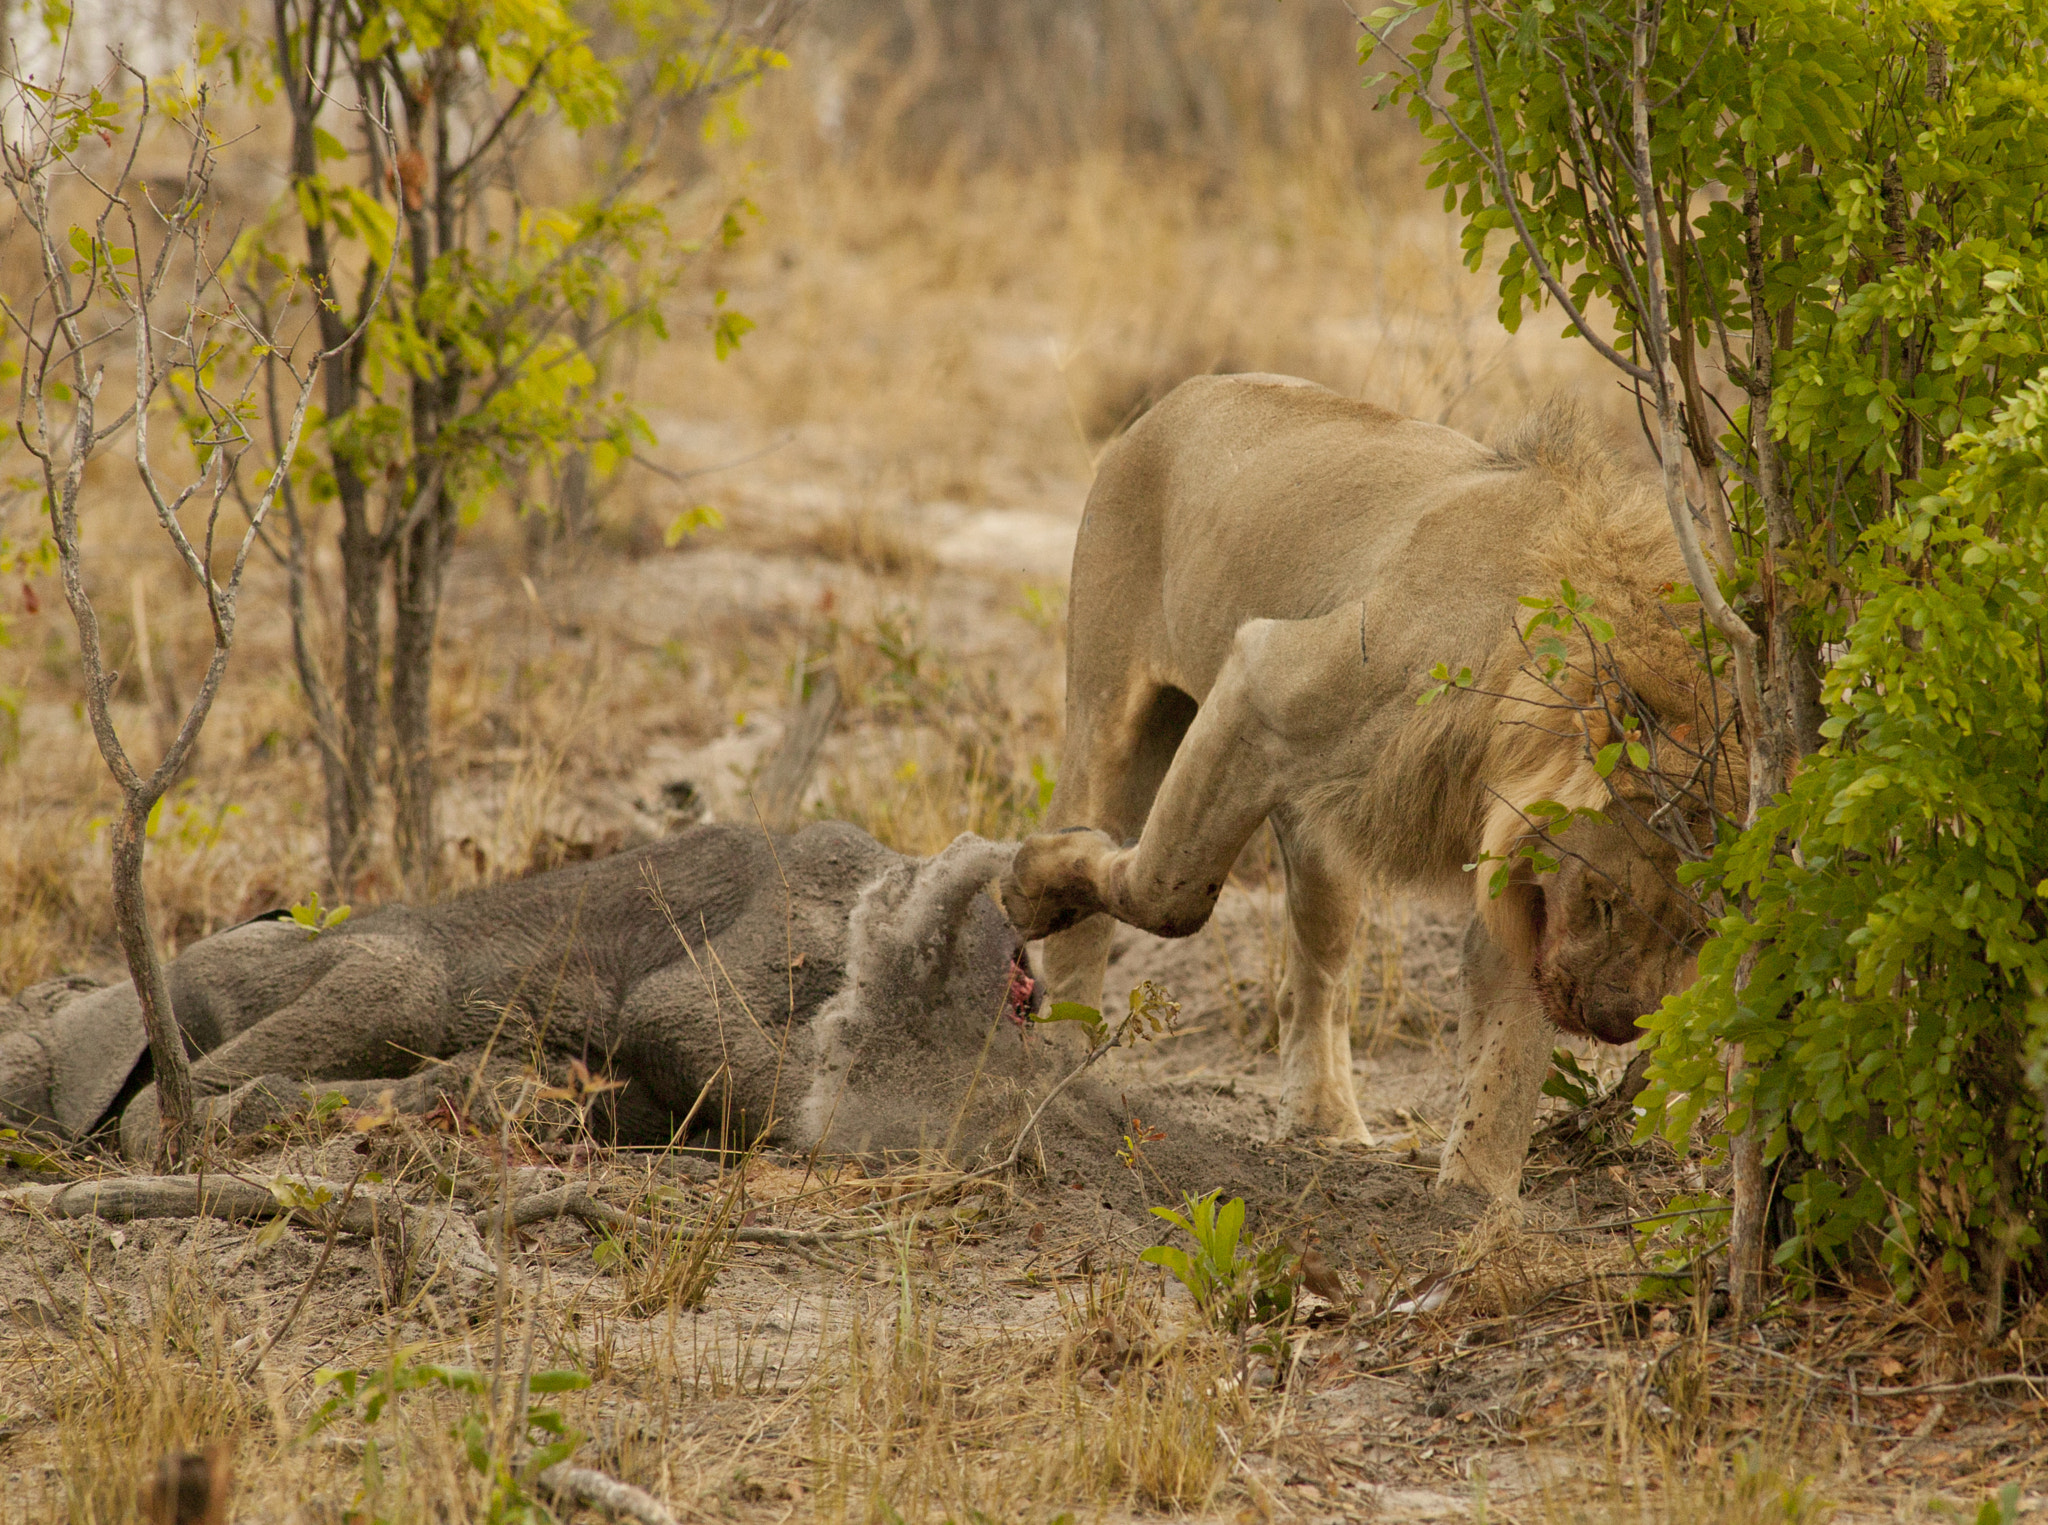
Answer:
(1899, 893)
(1835, 209)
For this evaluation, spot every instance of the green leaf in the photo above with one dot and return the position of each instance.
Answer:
(1075, 1011)
(552, 1454)
(558, 1381)
(457, 1379)
(687, 523)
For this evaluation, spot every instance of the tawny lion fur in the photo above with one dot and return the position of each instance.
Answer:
(1266, 576)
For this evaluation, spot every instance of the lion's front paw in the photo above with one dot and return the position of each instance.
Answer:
(1051, 883)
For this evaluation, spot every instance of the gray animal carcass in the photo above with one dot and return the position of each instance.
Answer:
(813, 989)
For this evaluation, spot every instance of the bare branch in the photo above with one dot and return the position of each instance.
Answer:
(1730, 625)
(1497, 161)
(113, 299)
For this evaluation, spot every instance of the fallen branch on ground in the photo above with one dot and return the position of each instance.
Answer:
(585, 1485)
(2033, 1379)
(576, 1202)
(366, 1214)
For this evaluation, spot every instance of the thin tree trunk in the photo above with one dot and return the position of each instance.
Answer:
(1749, 1189)
(1791, 716)
(574, 511)
(138, 793)
(169, 1060)
(350, 779)
(328, 733)
(1671, 443)
(422, 564)
(427, 533)
(362, 586)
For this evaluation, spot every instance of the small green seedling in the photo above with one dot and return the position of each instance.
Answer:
(1234, 1286)
(1571, 1081)
(2002, 1509)
(316, 918)
(541, 1432)
(1152, 1015)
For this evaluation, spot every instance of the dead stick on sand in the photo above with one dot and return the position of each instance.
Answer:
(125, 1198)
(575, 1202)
(584, 1485)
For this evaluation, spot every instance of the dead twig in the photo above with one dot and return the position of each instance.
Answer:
(1619, 1223)
(2037, 1380)
(586, 1485)
(576, 1202)
(365, 1214)
(306, 1288)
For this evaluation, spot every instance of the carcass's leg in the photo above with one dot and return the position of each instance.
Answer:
(381, 1010)
(1503, 1053)
(1317, 1095)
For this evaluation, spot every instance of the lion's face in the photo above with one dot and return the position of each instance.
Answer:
(1611, 930)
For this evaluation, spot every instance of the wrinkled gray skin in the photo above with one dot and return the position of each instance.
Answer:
(853, 997)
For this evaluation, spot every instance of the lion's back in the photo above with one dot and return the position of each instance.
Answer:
(1265, 497)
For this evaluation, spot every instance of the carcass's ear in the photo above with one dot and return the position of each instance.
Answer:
(946, 885)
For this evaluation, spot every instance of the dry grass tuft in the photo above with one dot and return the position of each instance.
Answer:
(125, 1385)
(911, 1421)
(676, 1267)
(1162, 1440)
(866, 539)
(53, 911)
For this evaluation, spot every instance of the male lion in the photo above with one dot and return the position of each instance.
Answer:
(1265, 576)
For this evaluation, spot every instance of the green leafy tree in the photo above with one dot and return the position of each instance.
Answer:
(1818, 230)
(421, 135)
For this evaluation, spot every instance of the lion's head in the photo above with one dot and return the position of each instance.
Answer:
(1608, 933)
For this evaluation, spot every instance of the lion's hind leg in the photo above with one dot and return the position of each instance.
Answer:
(1318, 1097)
